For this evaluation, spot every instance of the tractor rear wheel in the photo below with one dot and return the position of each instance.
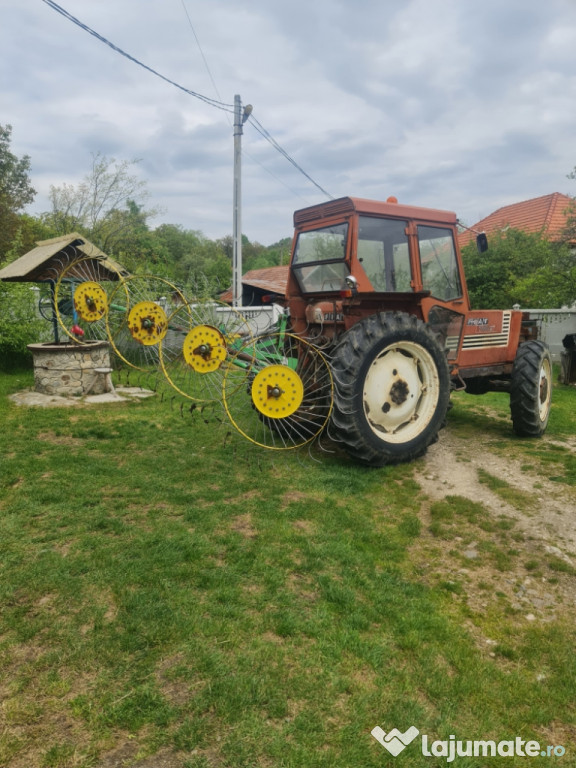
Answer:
(531, 389)
(392, 389)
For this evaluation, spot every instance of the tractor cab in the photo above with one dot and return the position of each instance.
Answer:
(350, 255)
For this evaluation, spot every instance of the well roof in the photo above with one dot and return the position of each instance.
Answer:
(50, 258)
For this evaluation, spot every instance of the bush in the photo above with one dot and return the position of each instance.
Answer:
(19, 322)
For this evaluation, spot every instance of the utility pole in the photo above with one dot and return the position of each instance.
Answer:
(240, 118)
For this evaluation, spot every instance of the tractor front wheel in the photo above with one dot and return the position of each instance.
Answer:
(392, 389)
(531, 389)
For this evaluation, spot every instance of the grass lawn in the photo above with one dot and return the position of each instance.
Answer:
(173, 596)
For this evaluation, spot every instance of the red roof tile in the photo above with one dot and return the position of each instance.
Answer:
(547, 214)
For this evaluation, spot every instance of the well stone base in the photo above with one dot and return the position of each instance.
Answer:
(71, 369)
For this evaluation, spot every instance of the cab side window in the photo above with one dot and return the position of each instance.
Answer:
(438, 262)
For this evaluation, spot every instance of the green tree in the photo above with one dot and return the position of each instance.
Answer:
(206, 268)
(105, 206)
(19, 321)
(183, 246)
(200, 264)
(16, 191)
(279, 253)
(519, 268)
(134, 245)
(30, 230)
(551, 286)
(178, 242)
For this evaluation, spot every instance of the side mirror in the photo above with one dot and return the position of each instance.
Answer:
(482, 242)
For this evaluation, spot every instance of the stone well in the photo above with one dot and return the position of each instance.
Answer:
(68, 369)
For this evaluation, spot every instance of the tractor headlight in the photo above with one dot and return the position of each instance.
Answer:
(350, 287)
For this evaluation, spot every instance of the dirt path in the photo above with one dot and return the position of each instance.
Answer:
(451, 468)
(544, 515)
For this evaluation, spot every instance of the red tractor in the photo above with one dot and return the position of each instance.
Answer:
(379, 288)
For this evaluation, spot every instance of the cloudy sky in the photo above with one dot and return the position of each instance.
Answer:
(460, 104)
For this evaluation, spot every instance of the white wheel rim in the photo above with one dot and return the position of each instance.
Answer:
(401, 392)
(544, 390)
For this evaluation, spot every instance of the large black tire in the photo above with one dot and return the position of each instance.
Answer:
(531, 389)
(391, 389)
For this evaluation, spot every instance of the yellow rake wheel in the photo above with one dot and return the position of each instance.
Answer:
(82, 296)
(277, 391)
(286, 399)
(138, 319)
(90, 301)
(204, 349)
(147, 323)
(202, 340)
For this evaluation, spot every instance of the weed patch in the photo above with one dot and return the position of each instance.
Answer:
(514, 496)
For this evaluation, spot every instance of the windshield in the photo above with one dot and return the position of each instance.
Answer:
(384, 254)
(319, 259)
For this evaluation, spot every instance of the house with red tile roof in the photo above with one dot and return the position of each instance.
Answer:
(547, 214)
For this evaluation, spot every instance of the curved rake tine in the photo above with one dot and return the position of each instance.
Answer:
(319, 443)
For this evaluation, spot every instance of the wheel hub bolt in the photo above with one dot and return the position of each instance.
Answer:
(203, 350)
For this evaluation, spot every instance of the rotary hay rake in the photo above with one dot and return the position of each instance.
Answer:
(275, 388)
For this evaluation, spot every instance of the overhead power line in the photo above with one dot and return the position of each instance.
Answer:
(201, 51)
(74, 20)
(206, 99)
(217, 92)
(269, 138)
